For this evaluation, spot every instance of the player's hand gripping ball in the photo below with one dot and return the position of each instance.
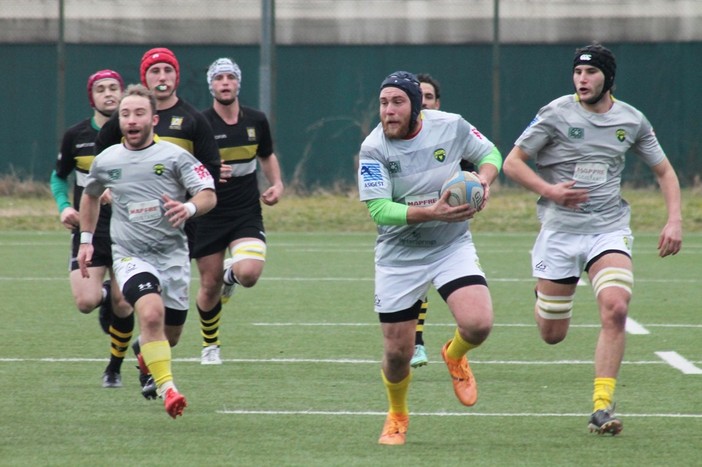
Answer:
(465, 188)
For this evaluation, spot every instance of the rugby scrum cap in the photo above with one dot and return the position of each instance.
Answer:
(100, 75)
(158, 55)
(220, 66)
(601, 58)
(409, 83)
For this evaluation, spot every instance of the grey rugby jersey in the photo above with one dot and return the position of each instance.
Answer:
(412, 172)
(138, 180)
(569, 143)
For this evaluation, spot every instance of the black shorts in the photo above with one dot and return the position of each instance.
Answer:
(102, 252)
(214, 234)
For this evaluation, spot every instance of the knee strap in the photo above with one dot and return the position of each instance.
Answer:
(553, 306)
(613, 277)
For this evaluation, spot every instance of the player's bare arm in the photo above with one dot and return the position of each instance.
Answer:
(198, 205)
(516, 168)
(487, 173)
(69, 218)
(89, 212)
(670, 239)
(271, 169)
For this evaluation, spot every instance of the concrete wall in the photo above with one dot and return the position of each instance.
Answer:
(352, 22)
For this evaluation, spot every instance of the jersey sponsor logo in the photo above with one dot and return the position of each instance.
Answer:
(621, 135)
(114, 174)
(421, 200)
(220, 136)
(576, 133)
(144, 211)
(84, 145)
(590, 172)
(159, 169)
(202, 172)
(394, 167)
(370, 172)
(440, 154)
(477, 134)
(251, 133)
(176, 123)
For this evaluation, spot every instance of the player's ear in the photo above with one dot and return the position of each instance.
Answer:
(155, 119)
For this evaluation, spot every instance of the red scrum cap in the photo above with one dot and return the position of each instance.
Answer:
(158, 55)
(99, 75)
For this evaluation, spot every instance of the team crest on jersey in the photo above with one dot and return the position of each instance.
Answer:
(176, 123)
(251, 133)
(576, 133)
(114, 174)
(440, 155)
(159, 169)
(621, 135)
(394, 167)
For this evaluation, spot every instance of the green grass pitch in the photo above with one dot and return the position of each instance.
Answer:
(300, 384)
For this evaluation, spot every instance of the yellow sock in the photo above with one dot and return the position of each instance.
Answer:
(458, 347)
(604, 393)
(397, 394)
(157, 356)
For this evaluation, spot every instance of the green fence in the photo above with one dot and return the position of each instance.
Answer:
(325, 96)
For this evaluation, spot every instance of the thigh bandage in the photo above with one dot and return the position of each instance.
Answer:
(613, 277)
(254, 249)
(553, 306)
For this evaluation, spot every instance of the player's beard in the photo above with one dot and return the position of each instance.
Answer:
(229, 101)
(398, 133)
(143, 141)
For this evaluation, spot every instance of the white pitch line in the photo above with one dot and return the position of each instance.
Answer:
(679, 362)
(445, 414)
(632, 327)
(332, 361)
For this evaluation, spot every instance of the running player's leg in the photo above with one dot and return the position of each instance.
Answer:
(610, 271)
(420, 352)
(120, 330)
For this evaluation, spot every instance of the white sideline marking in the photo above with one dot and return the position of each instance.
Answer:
(679, 362)
(632, 327)
(332, 361)
(446, 414)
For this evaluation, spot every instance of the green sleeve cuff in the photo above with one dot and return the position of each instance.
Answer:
(59, 188)
(385, 211)
(494, 157)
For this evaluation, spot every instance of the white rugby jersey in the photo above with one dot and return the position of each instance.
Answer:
(569, 143)
(138, 180)
(412, 172)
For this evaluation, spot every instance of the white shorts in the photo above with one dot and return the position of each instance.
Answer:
(560, 255)
(174, 279)
(397, 288)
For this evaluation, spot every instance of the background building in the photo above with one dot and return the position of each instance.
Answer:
(330, 56)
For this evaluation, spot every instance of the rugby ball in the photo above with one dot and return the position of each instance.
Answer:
(465, 188)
